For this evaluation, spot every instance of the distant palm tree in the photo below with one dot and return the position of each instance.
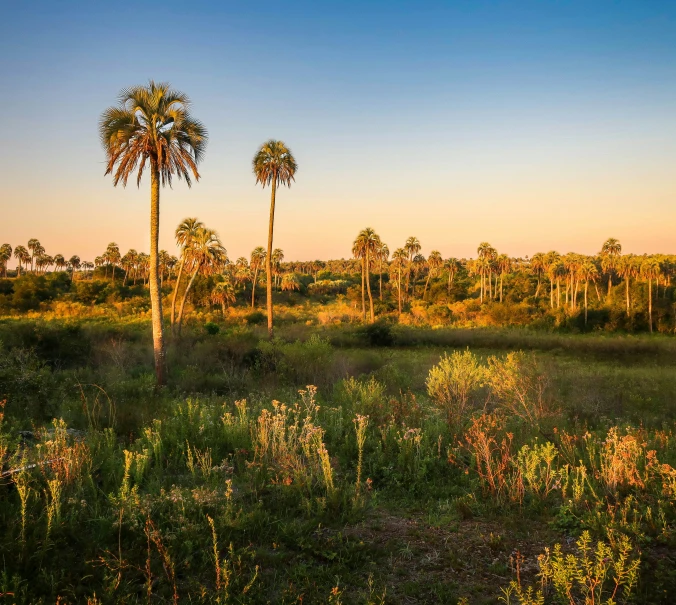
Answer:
(290, 282)
(434, 263)
(33, 246)
(626, 269)
(21, 255)
(75, 263)
(113, 256)
(59, 262)
(504, 264)
(451, 265)
(5, 256)
(365, 248)
(223, 294)
(588, 272)
(399, 258)
(277, 260)
(537, 266)
(257, 260)
(273, 165)
(185, 235)
(412, 247)
(382, 254)
(650, 270)
(207, 256)
(152, 125)
(610, 253)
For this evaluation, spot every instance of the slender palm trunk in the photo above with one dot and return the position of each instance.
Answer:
(253, 287)
(268, 258)
(380, 286)
(155, 296)
(610, 283)
(368, 285)
(558, 292)
(176, 287)
(399, 289)
(363, 288)
(586, 285)
(501, 275)
(427, 283)
(626, 283)
(650, 304)
(598, 294)
(185, 297)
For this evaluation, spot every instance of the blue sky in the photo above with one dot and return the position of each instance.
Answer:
(532, 125)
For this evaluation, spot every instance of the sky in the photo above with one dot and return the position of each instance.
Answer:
(533, 125)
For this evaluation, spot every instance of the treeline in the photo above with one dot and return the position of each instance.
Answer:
(609, 290)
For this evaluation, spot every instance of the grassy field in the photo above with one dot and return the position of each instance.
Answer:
(393, 478)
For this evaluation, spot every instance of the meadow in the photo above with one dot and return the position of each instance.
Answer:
(339, 462)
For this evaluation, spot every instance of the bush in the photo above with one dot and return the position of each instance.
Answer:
(454, 383)
(255, 318)
(378, 334)
(211, 328)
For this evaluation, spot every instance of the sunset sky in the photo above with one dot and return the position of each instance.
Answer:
(531, 125)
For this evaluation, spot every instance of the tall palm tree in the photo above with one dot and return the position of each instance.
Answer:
(20, 254)
(277, 260)
(273, 165)
(434, 263)
(5, 256)
(504, 264)
(382, 254)
(588, 272)
(258, 257)
(610, 253)
(650, 270)
(185, 235)
(626, 269)
(152, 125)
(290, 282)
(399, 258)
(412, 247)
(537, 266)
(59, 262)
(365, 248)
(128, 262)
(207, 256)
(451, 265)
(113, 256)
(75, 263)
(33, 245)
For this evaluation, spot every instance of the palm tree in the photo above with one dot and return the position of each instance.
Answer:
(152, 125)
(626, 269)
(185, 235)
(277, 260)
(290, 282)
(207, 256)
(412, 247)
(537, 266)
(382, 254)
(273, 165)
(20, 254)
(365, 247)
(650, 270)
(434, 263)
(5, 255)
(128, 262)
(223, 294)
(33, 245)
(257, 259)
(610, 253)
(399, 258)
(113, 256)
(451, 265)
(588, 272)
(59, 262)
(504, 264)
(74, 262)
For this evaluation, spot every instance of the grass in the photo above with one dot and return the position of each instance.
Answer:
(240, 484)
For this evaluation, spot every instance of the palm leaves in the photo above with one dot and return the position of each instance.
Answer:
(152, 125)
(273, 165)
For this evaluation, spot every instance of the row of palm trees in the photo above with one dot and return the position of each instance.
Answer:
(34, 256)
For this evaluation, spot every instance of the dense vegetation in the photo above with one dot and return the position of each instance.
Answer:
(422, 465)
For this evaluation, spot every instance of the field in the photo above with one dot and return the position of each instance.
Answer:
(330, 465)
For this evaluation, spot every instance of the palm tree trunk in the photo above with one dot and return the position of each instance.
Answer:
(253, 287)
(399, 289)
(176, 287)
(185, 297)
(380, 286)
(650, 304)
(368, 285)
(363, 290)
(586, 284)
(427, 283)
(268, 258)
(598, 294)
(626, 282)
(610, 283)
(501, 275)
(558, 292)
(155, 296)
